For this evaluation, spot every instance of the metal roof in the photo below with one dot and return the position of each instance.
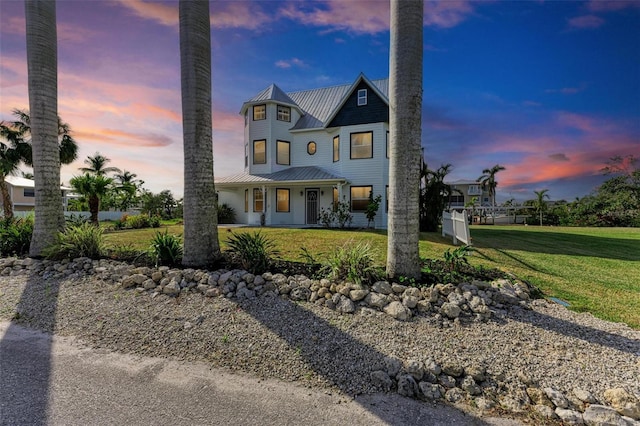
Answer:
(317, 105)
(18, 181)
(272, 93)
(289, 175)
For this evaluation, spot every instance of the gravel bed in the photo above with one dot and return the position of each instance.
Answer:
(544, 346)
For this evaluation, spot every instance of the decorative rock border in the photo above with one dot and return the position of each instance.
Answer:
(446, 304)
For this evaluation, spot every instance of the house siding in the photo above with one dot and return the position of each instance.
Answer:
(375, 111)
(348, 119)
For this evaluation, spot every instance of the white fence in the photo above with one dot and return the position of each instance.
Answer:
(457, 226)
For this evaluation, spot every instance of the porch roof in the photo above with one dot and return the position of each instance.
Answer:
(291, 175)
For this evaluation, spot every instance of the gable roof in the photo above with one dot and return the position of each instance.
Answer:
(289, 175)
(318, 106)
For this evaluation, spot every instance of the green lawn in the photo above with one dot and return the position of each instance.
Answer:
(594, 269)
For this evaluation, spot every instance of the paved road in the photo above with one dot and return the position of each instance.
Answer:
(56, 381)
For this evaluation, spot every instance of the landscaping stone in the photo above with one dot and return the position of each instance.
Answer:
(601, 415)
(570, 417)
(398, 311)
(623, 402)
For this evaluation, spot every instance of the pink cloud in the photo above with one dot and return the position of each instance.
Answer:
(14, 25)
(446, 14)
(161, 13)
(611, 5)
(366, 17)
(288, 63)
(586, 21)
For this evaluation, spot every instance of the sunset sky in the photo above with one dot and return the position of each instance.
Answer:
(550, 90)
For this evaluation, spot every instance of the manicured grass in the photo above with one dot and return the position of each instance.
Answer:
(594, 269)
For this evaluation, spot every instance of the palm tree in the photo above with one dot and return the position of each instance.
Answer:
(127, 187)
(18, 136)
(405, 122)
(93, 187)
(12, 153)
(97, 165)
(488, 181)
(539, 203)
(434, 196)
(42, 70)
(201, 245)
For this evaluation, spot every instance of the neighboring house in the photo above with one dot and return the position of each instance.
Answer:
(463, 191)
(304, 151)
(22, 193)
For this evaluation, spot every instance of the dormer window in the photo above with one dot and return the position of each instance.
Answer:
(259, 112)
(362, 97)
(284, 113)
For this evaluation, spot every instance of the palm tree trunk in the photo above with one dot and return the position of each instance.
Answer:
(42, 64)
(405, 113)
(201, 244)
(7, 206)
(94, 208)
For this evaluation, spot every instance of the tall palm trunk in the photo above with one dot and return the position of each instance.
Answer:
(201, 244)
(42, 64)
(7, 206)
(405, 108)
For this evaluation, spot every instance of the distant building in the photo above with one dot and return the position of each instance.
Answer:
(464, 191)
(22, 194)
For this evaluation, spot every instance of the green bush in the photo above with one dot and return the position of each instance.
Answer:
(166, 249)
(84, 240)
(253, 251)
(15, 236)
(137, 222)
(226, 214)
(75, 220)
(352, 262)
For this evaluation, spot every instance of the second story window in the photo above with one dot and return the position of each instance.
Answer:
(283, 156)
(260, 151)
(361, 145)
(259, 112)
(362, 97)
(29, 192)
(246, 155)
(284, 113)
(336, 148)
(311, 148)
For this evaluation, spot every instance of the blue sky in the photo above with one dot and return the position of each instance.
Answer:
(550, 90)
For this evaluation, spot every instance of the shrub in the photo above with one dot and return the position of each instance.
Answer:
(15, 236)
(138, 221)
(253, 251)
(154, 221)
(226, 214)
(124, 252)
(352, 262)
(84, 240)
(343, 214)
(166, 249)
(372, 208)
(75, 220)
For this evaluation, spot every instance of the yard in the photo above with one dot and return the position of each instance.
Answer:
(593, 269)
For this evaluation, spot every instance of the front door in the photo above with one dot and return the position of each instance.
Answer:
(312, 206)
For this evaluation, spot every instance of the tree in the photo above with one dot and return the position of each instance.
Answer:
(434, 196)
(17, 149)
(93, 187)
(488, 181)
(372, 208)
(12, 153)
(405, 122)
(539, 202)
(127, 190)
(201, 245)
(97, 165)
(42, 70)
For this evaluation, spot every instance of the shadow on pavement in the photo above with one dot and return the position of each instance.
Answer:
(28, 383)
(345, 362)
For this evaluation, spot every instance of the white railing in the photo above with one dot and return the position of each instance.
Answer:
(457, 226)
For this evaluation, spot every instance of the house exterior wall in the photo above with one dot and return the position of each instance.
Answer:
(469, 191)
(358, 172)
